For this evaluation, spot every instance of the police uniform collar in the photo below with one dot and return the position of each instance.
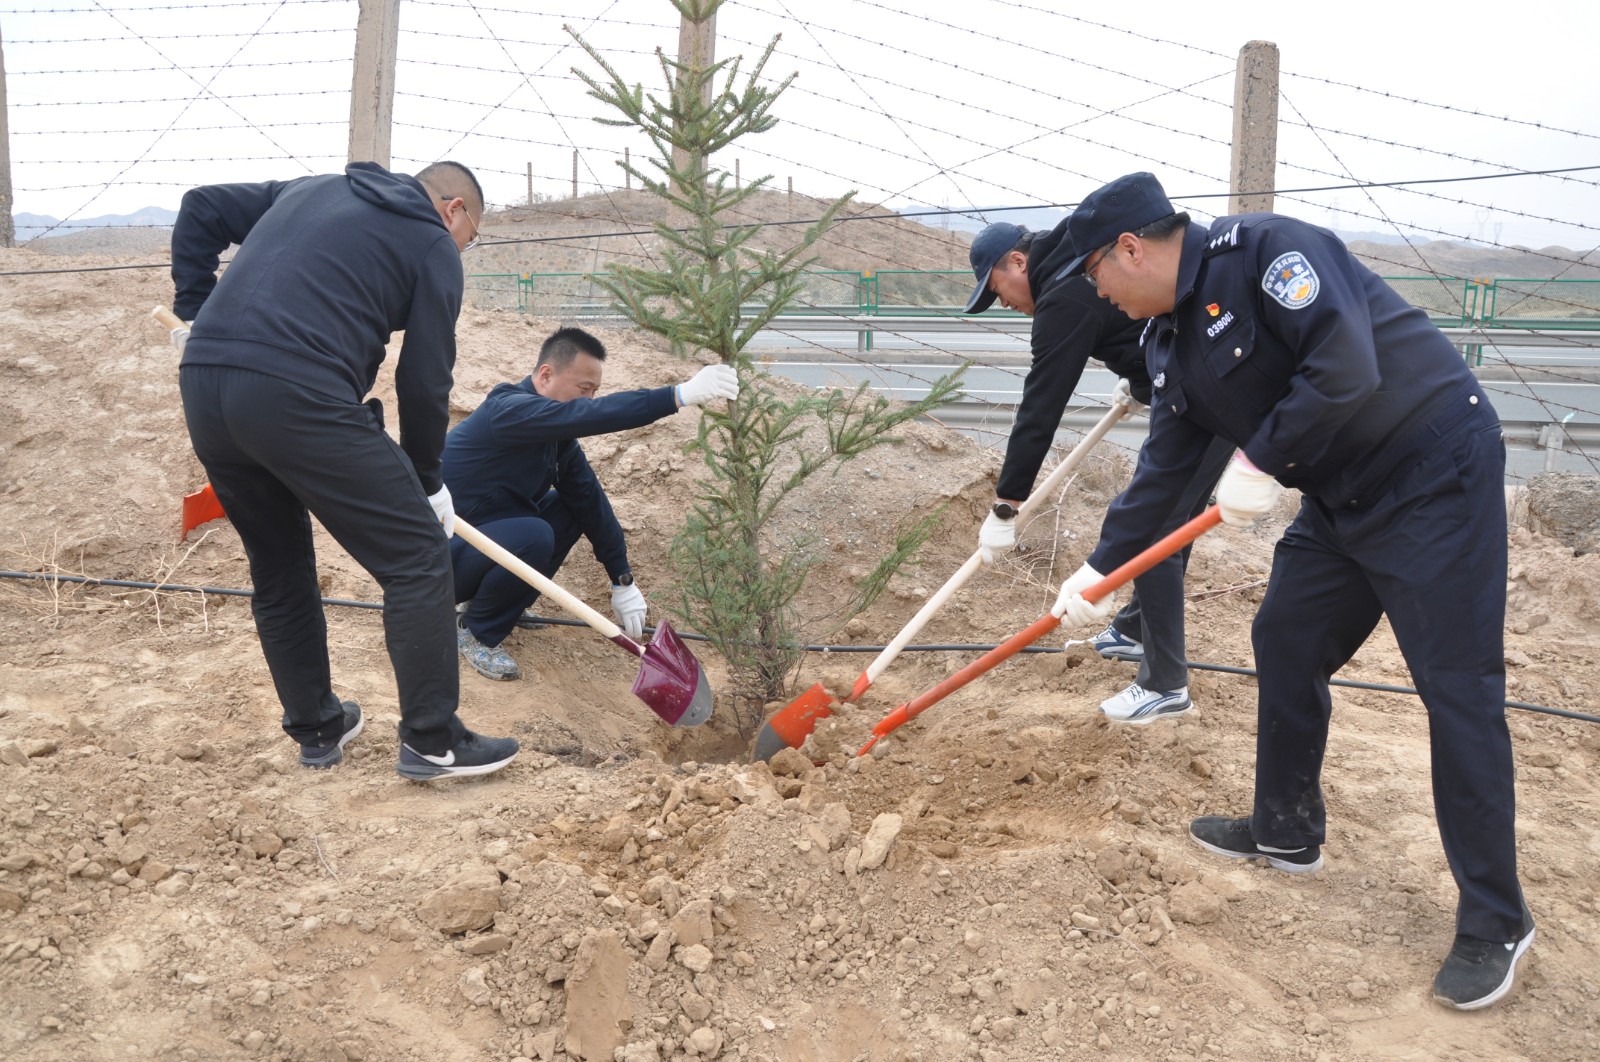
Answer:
(1194, 246)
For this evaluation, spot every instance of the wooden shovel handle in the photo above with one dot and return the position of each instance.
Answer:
(167, 318)
(534, 578)
(1044, 491)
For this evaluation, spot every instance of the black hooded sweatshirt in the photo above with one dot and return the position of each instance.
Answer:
(328, 268)
(1071, 324)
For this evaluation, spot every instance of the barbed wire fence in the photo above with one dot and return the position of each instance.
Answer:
(249, 89)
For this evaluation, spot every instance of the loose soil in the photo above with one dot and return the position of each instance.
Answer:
(1008, 879)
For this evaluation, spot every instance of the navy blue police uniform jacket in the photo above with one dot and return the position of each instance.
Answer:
(1071, 324)
(318, 312)
(1283, 344)
(518, 445)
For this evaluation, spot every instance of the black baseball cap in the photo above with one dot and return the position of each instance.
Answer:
(1126, 204)
(988, 247)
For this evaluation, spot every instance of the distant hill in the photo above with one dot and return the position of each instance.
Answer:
(29, 226)
(557, 232)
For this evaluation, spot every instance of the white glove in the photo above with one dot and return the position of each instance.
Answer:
(1072, 609)
(1245, 492)
(713, 381)
(180, 337)
(996, 537)
(444, 509)
(628, 603)
(1122, 395)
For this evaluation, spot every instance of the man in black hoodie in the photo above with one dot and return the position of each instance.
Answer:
(281, 353)
(1071, 324)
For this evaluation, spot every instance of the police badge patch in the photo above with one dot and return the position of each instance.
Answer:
(1291, 280)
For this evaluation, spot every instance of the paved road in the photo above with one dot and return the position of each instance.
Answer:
(1531, 388)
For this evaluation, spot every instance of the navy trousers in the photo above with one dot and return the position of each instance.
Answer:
(498, 597)
(277, 454)
(1154, 612)
(1429, 553)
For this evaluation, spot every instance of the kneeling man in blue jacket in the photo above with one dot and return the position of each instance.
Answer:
(516, 470)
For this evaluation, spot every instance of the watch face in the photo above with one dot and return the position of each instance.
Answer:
(625, 580)
(1005, 510)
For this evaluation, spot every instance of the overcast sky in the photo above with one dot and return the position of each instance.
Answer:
(970, 104)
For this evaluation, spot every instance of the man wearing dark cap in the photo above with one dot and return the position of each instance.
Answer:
(1266, 332)
(1024, 271)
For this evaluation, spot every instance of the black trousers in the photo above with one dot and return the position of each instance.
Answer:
(498, 597)
(278, 453)
(1154, 612)
(1429, 553)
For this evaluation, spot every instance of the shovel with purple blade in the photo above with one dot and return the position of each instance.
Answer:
(670, 680)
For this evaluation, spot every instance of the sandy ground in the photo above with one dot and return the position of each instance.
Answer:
(1012, 880)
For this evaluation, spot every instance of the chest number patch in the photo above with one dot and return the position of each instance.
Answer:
(1291, 280)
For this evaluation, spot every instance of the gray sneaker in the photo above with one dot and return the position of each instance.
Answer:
(490, 662)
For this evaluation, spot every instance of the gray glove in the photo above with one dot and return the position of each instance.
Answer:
(1122, 395)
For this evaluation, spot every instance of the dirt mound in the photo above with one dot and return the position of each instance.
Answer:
(1009, 878)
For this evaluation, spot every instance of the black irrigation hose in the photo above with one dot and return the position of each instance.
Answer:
(551, 621)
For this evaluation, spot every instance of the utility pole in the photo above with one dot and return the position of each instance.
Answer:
(627, 174)
(530, 184)
(372, 81)
(574, 173)
(8, 233)
(697, 48)
(1254, 166)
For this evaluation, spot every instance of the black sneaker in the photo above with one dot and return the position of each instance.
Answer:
(1478, 972)
(473, 754)
(1231, 838)
(318, 757)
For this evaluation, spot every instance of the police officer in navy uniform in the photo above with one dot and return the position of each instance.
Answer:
(1025, 271)
(1266, 332)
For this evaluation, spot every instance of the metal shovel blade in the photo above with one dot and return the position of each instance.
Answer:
(671, 681)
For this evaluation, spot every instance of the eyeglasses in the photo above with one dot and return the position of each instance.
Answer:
(475, 236)
(1094, 264)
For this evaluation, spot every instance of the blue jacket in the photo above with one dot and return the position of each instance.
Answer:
(327, 268)
(1283, 344)
(518, 445)
(1071, 324)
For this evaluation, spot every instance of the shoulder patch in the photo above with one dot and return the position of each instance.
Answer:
(1291, 280)
(1226, 240)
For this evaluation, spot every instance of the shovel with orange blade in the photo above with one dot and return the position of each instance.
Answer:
(1043, 626)
(791, 725)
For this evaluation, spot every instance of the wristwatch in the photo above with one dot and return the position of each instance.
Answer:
(625, 579)
(1005, 510)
